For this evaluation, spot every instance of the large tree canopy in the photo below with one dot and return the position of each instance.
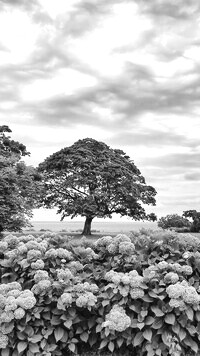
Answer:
(18, 184)
(91, 179)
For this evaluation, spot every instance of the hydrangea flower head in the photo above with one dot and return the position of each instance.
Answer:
(75, 265)
(11, 303)
(136, 293)
(126, 248)
(177, 303)
(163, 265)
(175, 291)
(117, 319)
(171, 277)
(64, 275)
(26, 300)
(3, 341)
(63, 253)
(40, 275)
(2, 301)
(39, 264)
(190, 295)
(87, 299)
(6, 317)
(103, 241)
(19, 313)
(41, 287)
(66, 298)
(51, 253)
(187, 270)
(33, 255)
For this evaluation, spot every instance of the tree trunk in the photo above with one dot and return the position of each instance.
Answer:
(87, 226)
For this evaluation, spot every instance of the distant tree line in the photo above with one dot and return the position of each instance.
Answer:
(188, 222)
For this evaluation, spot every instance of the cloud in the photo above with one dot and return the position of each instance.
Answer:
(176, 160)
(194, 176)
(153, 138)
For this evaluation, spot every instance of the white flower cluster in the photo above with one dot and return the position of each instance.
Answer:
(171, 277)
(172, 271)
(3, 341)
(85, 287)
(181, 293)
(121, 244)
(117, 319)
(75, 266)
(42, 282)
(59, 253)
(13, 303)
(126, 283)
(103, 242)
(39, 264)
(66, 299)
(86, 299)
(64, 275)
(83, 294)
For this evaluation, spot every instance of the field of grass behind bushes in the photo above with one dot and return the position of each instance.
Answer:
(131, 295)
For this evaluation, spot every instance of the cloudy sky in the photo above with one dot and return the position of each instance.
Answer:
(123, 72)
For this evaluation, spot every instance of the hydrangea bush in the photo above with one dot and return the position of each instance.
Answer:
(136, 294)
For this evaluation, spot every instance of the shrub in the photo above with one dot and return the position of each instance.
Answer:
(173, 221)
(131, 295)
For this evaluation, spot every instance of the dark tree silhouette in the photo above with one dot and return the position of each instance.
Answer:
(19, 184)
(91, 179)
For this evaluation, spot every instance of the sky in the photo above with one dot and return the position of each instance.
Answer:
(123, 72)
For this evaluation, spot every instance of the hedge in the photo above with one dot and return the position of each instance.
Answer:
(134, 295)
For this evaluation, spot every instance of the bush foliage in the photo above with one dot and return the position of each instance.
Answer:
(132, 295)
(175, 221)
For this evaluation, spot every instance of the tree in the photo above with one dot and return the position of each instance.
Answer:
(195, 216)
(173, 221)
(91, 179)
(19, 184)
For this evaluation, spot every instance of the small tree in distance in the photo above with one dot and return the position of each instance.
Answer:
(91, 179)
(173, 221)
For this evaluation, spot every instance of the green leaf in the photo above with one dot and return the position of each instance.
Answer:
(72, 347)
(197, 315)
(58, 333)
(33, 348)
(176, 328)
(140, 325)
(166, 338)
(138, 339)
(191, 343)
(103, 344)
(170, 318)
(92, 339)
(21, 346)
(157, 311)
(147, 334)
(111, 346)
(182, 334)
(84, 336)
(158, 323)
(35, 338)
(120, 341)
(149, 320)
(68, 323)
(190, 313)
